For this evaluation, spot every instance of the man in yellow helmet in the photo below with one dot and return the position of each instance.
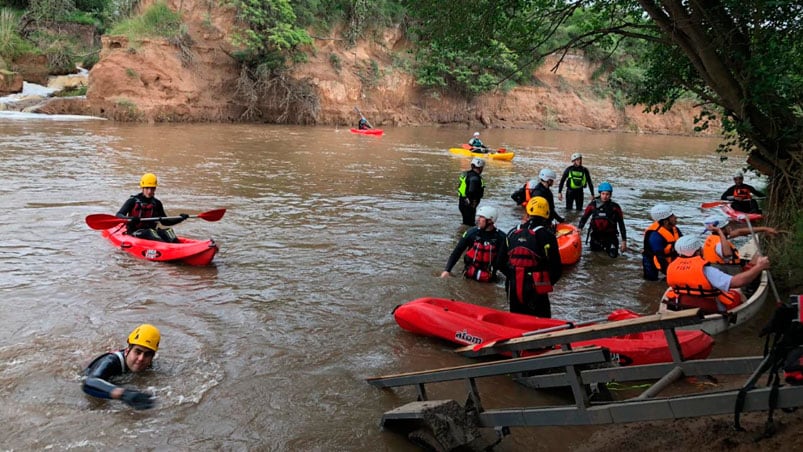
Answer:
(533, 261)
(143, 343)
(145, 205)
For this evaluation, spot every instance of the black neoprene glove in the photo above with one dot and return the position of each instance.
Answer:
(183, 216)
(138, 400)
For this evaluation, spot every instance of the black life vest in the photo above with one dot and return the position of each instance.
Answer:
(603, 218)
(524, 261)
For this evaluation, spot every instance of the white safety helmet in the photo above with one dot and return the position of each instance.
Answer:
(547, 174)
(488, 212)
(576, 156)
(661, 212)
(532, 183)
(719, 221)
(478, 162)
(688, 245)
(476, 134)
(738, 174)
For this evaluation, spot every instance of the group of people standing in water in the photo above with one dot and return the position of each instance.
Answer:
(702, 274)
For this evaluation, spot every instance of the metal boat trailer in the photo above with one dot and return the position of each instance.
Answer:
(446, 425)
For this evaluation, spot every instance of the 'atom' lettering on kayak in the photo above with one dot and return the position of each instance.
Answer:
(151, 254)
(466, 337)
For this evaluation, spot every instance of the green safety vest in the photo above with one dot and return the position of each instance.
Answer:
(461, 189)
(577, 179)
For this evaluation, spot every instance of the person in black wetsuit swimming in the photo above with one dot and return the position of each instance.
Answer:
(143, 343)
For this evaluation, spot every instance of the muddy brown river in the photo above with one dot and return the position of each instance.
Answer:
(326, 231)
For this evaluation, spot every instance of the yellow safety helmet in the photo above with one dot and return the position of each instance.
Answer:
(538, 207)
(148, 181)
(146, 336)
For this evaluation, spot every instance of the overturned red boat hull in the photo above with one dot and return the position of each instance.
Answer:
(469, 324)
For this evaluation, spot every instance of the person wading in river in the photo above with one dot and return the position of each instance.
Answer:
(486, 245)
(143, 343)
(578, 178)
(470, 191)
(533, 265)
(659, 241)
(607, 222)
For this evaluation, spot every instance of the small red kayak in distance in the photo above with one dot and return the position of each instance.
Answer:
(186, 251)
(376, 132)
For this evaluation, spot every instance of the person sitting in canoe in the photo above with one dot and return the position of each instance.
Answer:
(697, 284)
(741, 195)
(718, 249)
(145, 205)
(607, 222)
(477, 145)
(659, 241)
(486, 245)
(363, 124)
(143, 343)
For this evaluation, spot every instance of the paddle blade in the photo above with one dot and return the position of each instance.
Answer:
(501, 150)
(101, 221)
(466, 146)
(212, 215)
(708, 205)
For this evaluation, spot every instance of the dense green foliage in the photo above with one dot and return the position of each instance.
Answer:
(270, 33)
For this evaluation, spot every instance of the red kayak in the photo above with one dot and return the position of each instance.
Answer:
(735, 215)
(368, 131)
(468, 324)
(186, 251)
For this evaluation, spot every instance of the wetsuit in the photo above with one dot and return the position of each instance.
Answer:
(477, 146)
(607, 223)
(742, 196)
(140, 206)
(533, 267)
(470, 192)
(100, 371)
(578, 177)
(487, 251)
(545, 192)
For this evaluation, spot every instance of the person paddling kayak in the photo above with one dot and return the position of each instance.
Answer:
(477, 145)
(143, 343)
(145, 205)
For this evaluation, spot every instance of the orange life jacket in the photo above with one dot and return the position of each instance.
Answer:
(742, 193)
(527, 194)
(692, 290)
(670, 236)
(710, 251)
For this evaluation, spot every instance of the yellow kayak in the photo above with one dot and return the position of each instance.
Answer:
(499, 154)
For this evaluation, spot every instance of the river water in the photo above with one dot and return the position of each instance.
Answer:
(326, 232)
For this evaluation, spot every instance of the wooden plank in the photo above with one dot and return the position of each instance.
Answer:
(552, 360)
(662, 320)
